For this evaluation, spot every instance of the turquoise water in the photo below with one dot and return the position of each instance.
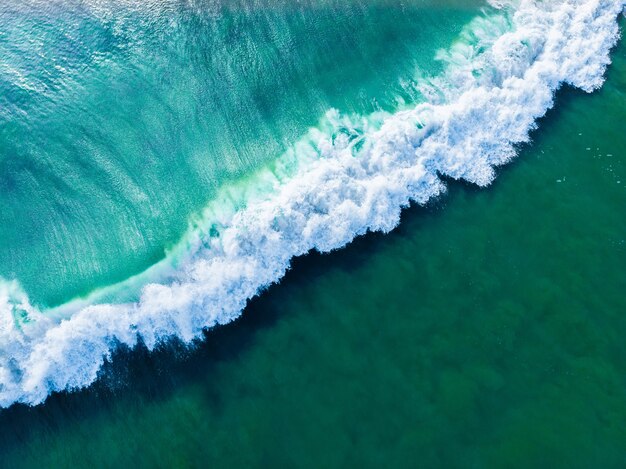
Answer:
(486, 330)
(120, 122)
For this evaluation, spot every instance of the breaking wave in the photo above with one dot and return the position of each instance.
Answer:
(350, 175)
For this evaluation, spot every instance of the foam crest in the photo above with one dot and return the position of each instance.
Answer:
(349, 176)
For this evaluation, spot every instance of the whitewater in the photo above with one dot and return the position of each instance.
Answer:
(347, 176)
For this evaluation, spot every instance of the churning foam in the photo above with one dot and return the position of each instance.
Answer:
(353, 175)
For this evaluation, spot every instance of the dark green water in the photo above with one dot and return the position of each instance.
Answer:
(486, 331)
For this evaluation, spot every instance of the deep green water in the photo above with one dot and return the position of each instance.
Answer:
(487, 330)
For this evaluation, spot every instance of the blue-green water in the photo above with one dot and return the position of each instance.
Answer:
(486, 330)
(121, 121)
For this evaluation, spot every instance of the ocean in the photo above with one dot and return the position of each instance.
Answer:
(164, 164)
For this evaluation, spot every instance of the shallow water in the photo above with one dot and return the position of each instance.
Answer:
(121, 121)
(487, 330)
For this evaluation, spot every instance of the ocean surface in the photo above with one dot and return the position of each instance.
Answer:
(162, 162)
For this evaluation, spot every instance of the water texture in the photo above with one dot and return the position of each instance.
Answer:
(485, 331)
(201, 164)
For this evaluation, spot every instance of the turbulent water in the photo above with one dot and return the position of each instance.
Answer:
(163, 162)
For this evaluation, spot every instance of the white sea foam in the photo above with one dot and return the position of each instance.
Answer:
(500, 78)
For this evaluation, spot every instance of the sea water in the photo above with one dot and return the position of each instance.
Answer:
(525, 271)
